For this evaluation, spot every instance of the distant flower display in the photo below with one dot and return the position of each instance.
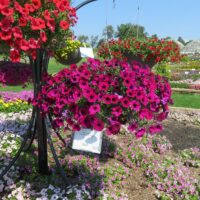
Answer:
(104, 95)
(147, 49)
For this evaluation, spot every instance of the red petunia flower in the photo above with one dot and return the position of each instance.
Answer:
(64, 25)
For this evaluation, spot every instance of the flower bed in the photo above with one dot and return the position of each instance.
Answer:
(105, 176)
(12, 96)
(15, 101)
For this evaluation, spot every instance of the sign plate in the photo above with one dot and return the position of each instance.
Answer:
(87, 140)
(86, 52)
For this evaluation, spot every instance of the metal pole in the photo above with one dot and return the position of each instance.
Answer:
(83, 4)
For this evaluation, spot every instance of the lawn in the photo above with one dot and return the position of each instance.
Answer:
(186, 100)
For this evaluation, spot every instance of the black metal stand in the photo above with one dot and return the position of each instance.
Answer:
(38, 123)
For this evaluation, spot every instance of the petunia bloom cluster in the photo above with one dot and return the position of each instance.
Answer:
(27, 26)
(104, 95)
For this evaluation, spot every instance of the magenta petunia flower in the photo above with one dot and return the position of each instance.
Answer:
(77, 95)
(94, 109)
(146, 114)
(83, 84)
(140, 132)
(92, 97)
(107, 99)
(114, 99)
(132, 127)
(135, 105)
(117, 111)
(113, 129)
(98, 125)
(76, 127)
(125, 102)
(155, 129)
(103, 86)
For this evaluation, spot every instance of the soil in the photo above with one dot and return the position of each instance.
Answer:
(181, 135)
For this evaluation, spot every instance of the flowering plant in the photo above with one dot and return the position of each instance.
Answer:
(70, 47)
(106, 94)
(25, 27)
(10, 71)
(147, 49)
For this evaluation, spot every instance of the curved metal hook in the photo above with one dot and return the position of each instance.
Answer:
(83, 4)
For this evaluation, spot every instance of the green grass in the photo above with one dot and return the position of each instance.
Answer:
(186, 100)
(180, 85)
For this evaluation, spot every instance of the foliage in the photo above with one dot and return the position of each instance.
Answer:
(147, 49)
(179, 85)
(163, 70)
(35, 24)
(172, 180)
(106, 94)
(93, 41)
(83, 38)
(128, 31)
(108, 32)
(191, 157)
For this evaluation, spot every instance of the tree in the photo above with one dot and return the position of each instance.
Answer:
(94, 41)
(181, 40)
(108, 32)
(101, 41)
(125, 31)
(83, 38)
(154, 36)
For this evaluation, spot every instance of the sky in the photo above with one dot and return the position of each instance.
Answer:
(171, 18)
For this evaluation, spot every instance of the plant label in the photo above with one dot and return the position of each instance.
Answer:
(87, 140)
(86, 52)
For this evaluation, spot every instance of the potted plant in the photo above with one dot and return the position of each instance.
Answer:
(99, 95)
(70, 53)
(148, 51)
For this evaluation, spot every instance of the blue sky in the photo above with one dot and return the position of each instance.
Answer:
(162, 17)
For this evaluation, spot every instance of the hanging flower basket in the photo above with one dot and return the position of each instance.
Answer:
(148, 51)
(72, 58)
(70, 53)
(16, 73)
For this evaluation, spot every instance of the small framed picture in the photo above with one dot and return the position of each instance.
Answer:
(88, 140)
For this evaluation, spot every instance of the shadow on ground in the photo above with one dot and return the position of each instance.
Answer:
(181, 135)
